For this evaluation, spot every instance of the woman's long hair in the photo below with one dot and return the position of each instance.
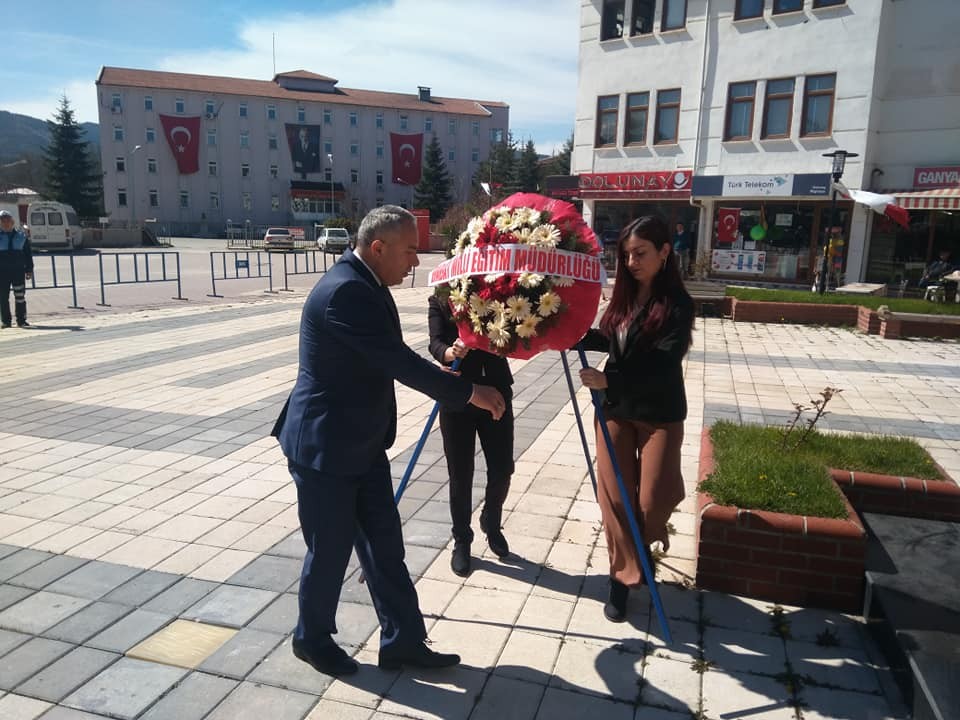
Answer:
(667, 284)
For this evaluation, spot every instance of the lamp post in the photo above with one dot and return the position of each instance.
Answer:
(404, 182)
(330, 158)
(839, 161)
(133, 186)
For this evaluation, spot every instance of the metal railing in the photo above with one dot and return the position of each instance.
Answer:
(241, 268)
(141, 273)
(304, 263)
(55, 280)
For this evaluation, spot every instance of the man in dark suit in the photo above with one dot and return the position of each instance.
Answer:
(335, 429)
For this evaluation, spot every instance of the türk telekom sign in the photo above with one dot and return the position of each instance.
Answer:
(928, 178)
(658, 184)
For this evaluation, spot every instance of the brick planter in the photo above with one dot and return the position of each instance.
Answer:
(803, 313)
(891, 495)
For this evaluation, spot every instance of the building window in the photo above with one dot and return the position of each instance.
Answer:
(354, 176)
(818, 105)
(274, 171)
(184, 198)
(214, 201)
(638, 107)
(152, 166)
(154, 198)
(354, 119)
(607, 109)
(272, 141)
(403, 122)
(748, 9)
(118, 133)
(274, 202)
(211, 138)
(328, 117)
(611, 19)
(243, 110)
(245, 170)
(327, 147)
(668, 117)
(148, 102)
(452, 126)
(784, 6)
(354, 148)
(271, 112)
(475, 155)
(740, 97)
(379, 148)
(122, 197)
(777, 109)
(151, 135)
(379, 177)
(301, 115)
(121, 165)
(451, 156)
(244, 139)
(179, 106)
(828, 3)
(642, 23)
(428, 124)
(674, 15)
(247, 201)
(327, 175)
(475, 128)
(496, 135)
(212, 168)
(209, 108)
(115, 101)
(380, 121)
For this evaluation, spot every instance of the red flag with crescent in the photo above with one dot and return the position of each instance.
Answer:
(407, 151)
(728, 225)
(183, 136)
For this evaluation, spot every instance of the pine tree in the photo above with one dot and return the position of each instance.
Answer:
(498, 169)
(72, 177)
(433, 190)
(527, 170)
(560, 163)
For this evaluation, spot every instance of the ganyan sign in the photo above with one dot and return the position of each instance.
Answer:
(657, 184)
(929, 178)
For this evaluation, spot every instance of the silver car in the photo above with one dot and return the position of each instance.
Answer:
(333, 240)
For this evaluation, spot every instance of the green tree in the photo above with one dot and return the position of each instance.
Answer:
(498, 169)
(527, 169)
(559, 164)
(433, 190)
(72, 176)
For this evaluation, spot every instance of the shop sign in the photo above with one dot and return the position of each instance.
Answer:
(640, 183)
(754, 185)
(738, 261)
(928, 178)
(786, 185)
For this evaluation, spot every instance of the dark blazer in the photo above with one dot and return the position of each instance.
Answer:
(479, 366)
(342, 413)
(645, 381)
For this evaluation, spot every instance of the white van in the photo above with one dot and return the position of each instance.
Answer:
(53, 225)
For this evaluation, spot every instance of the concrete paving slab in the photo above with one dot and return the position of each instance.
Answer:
(84, 624)
(40, 611)
(93, 580)
(230, 605)
(125, 689)
(59, 679)
(249, 701)
(23, 661)
(129, 630)
(194, 697)
(242, 653)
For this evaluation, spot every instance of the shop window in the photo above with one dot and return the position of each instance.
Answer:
(607, 110)
(777, 109)
(740, 97)
(668, 117)
(748, 9)
(642, 23)
(818, 105)
(611, 19)
(674, 15)
(638, 105)
(785, 6)
(828, 3)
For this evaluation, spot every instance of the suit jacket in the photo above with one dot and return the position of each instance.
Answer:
(342, 413)
(480, 367)
(645, 379)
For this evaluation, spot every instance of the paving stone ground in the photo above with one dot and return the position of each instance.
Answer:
(140, 494)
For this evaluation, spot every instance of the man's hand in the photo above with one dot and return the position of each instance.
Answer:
(489, 398)
(593, 379)
(457, 350)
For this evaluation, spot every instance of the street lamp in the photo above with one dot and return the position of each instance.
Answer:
(409, 185)
(133, 187)
(330, 158)
(839, 161)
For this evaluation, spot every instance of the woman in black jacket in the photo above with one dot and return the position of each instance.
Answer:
(646, 330)
(460, 428)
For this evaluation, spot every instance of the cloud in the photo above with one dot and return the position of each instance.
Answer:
(81, 92)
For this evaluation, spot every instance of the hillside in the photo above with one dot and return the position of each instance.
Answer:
(22, 135)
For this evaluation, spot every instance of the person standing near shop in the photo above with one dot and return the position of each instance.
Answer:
(461, 427)
(681, 246)
(16, 267)
(646, 331)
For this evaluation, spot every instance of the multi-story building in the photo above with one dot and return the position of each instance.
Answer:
(717, 114)
(198, 153)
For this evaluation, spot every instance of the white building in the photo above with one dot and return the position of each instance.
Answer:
(708, 109)
(197, 152)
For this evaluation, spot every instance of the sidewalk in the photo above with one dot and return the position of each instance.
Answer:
(150, 553)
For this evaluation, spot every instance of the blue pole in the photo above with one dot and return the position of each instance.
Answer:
(576, 412)
(628, 508)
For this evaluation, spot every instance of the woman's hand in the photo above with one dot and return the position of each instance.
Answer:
(457, 350)
(593, 379)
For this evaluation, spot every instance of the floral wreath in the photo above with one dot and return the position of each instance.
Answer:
(519, 314)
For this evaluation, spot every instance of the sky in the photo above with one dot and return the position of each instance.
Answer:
(522, 52)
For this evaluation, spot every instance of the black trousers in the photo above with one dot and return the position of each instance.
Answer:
(460, 430)
(15, 280)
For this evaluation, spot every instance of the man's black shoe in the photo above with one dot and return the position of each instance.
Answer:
(495, 538)
(421, 656)
(615, 608)
(330, 661)
(460, 560)
(23, 324)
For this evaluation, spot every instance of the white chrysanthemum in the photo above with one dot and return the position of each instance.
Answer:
(465, 284)
(528, 328)
(458, 301)
(549, 304)
(498, 309)
(561, 281)
(478, 305)
(474, 228)
(534, 217)
(503, 222)
(498, 334)
(493, 277)
(518, 308)
(546, 235)
(529, 279)
(476, 323)
(523, 235)
(521, 216)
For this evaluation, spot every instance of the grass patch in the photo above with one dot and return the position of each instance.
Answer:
(754, 472)
(906, 305)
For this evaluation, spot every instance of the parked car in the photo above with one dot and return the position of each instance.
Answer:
(333, 240)
(278, 239)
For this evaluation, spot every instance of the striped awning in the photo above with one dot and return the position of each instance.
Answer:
(939, 199)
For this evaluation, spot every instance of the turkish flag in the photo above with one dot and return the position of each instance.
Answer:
(183, 136)
(407, 151)
(728, 225)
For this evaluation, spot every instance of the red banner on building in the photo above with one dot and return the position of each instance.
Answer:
(183, 136)
(927, 178)
(657, 184)
(728, 225)
(407, 151)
